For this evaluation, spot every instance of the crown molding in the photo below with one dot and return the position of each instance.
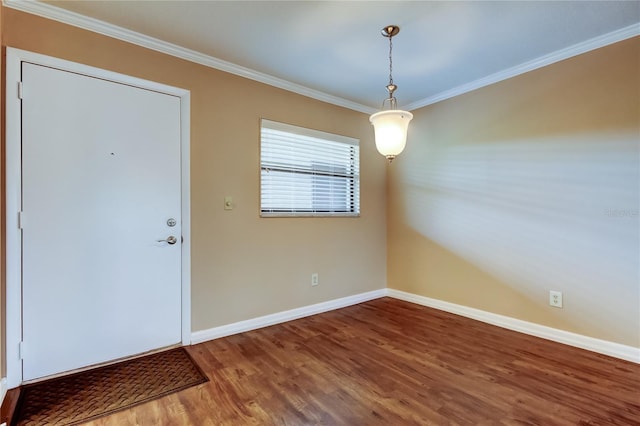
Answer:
(71, 18)
(542, 61)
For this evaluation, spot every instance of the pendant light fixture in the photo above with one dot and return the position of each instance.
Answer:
(390, 126)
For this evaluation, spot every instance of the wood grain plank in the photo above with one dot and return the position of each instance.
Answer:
(389, 362)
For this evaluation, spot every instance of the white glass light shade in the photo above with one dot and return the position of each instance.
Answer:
(390, 129)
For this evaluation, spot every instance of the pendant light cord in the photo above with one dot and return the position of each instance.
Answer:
(390, 61)
(389, 32)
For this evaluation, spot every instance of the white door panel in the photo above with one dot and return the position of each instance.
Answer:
(101, 177)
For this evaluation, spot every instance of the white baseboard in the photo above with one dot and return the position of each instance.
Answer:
(3, 389)
(280, 317)
(605, 347)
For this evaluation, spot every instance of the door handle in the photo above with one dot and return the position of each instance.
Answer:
(170, 240)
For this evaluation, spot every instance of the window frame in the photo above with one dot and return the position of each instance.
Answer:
(351, 175)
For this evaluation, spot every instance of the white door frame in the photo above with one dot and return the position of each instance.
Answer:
(13, 202)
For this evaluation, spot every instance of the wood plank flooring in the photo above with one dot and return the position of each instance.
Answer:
(388, 362)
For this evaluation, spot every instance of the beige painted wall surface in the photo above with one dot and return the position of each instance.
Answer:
(243, 266)
(526, 186)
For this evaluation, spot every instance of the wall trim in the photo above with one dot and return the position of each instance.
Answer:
(284, 316)
(101, 27)
(617, 350)
(553, 57)
(91, 24)
(628, 353)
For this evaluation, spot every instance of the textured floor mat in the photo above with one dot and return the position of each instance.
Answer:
(94, 393)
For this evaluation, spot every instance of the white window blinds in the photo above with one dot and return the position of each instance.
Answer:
(308, 173)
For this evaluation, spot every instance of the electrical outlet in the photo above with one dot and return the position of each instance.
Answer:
(555, 299)
(314, 279)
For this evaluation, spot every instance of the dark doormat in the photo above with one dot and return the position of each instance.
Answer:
(84, 396)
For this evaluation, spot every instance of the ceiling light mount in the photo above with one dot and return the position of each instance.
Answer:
(390, 126)
(390, 30)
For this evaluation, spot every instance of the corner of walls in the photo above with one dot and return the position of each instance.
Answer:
(604, 347)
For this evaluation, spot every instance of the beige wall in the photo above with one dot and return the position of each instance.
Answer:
(526, 186)
(243, 266)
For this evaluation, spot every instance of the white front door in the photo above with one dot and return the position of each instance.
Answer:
(101, 190)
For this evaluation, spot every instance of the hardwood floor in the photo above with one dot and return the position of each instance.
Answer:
(389, 362)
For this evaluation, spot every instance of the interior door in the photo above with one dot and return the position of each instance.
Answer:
(101, 199)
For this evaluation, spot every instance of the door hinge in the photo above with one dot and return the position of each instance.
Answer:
(21, 220)
(20, 89)
(21, 350)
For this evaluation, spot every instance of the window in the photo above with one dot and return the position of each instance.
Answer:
(305, 172)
